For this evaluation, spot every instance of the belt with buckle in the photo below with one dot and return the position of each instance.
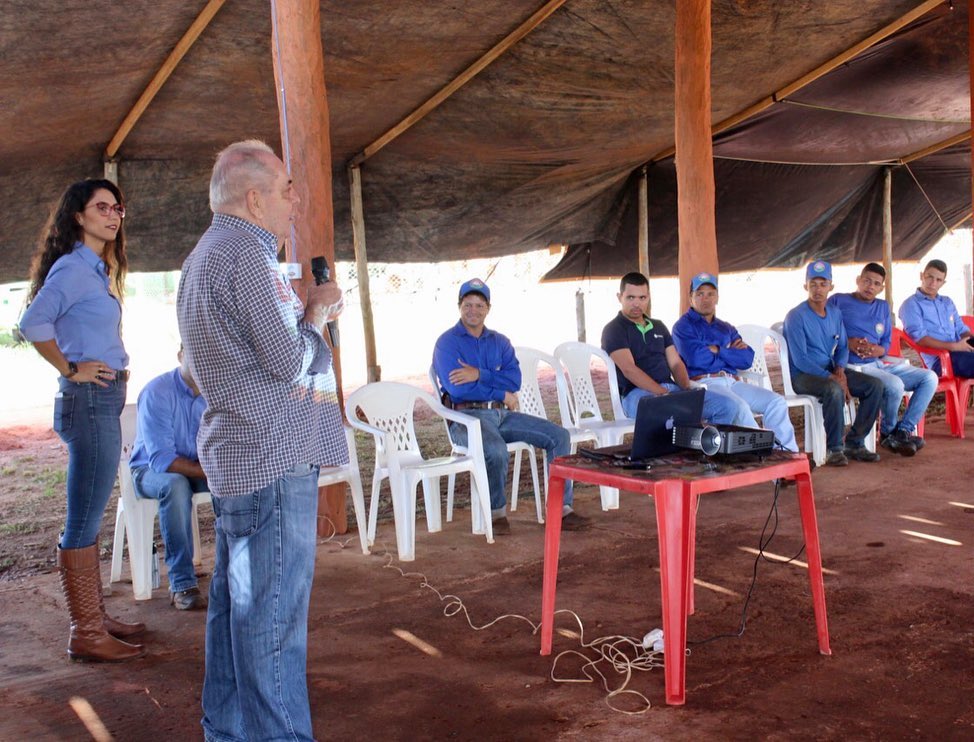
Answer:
(122, 375)
(718, 375)
(478, 405)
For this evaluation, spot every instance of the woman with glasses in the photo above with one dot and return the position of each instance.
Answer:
(73, 318)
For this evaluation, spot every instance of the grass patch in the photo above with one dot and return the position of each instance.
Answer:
(8, 529)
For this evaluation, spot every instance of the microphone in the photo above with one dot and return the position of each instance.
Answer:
(322, 274)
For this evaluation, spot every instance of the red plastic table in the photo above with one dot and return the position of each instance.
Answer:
(675, 483)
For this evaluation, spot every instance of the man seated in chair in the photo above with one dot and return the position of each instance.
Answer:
(868, 323)
(165, 467)
(480, 376)
(931, 319)
(818, 352)
(714, 354)
(647, 363)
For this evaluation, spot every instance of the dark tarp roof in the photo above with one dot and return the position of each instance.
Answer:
(537, 149)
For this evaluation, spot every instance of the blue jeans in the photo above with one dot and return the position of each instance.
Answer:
(897, 379)
(716, 408)
(255, 687)
(961, 362)
(869, 392)
(500, 427)
(175, 495)
(86, 416)
(748, 399)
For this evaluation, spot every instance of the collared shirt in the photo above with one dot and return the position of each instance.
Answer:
(864, 319)
(937, 317)
(647, 345)
(491, 353)
(167, 423)
(266, 376)
(693, 335)
(816, 345)
(75, 308)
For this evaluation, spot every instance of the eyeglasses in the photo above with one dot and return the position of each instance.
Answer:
(106, 209)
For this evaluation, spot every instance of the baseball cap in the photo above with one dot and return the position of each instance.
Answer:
(818, 269)
(475, 285)
(702, 278)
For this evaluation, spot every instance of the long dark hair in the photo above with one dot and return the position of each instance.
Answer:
(62, 231)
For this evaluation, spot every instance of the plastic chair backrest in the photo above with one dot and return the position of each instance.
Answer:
(755, 337)
(128, 420)
(577, 359)
(969, 321)
(780, 343)
(529, 397)
(389, 406)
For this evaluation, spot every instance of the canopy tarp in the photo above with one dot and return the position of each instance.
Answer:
(537, 149)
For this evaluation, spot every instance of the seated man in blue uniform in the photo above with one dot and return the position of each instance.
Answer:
(818, 352)
(646, 360)
(714, 353)
(869, 324)
(932, 320)
(165, 467)
(480, 376)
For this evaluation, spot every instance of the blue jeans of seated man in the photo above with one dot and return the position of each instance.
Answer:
(897, 379)
(867, 389)
(86, 417)
(255, 686)
(500, 427)
(750, 399)
(175, 495)
(716, 408)
(962, 363)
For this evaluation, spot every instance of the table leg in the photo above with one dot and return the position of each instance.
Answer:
(552, 540)
(692, 552)
(806, 504)
(673, 523)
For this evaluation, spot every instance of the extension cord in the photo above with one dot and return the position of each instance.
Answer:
(654, 640)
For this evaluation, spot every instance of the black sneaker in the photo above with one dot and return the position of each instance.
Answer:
(836, 458)
(861, 453)
(899, 441)
(917, 441)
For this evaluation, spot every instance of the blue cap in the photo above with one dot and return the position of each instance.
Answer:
(475, 286)
(703, 278)
(818, 269)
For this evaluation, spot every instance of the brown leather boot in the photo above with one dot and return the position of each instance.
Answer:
(113, 626)
(81, 583)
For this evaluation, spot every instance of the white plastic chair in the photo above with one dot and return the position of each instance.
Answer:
(515, 447)
(135, 520)
(350, 474)
(577, 359)
(388, 407)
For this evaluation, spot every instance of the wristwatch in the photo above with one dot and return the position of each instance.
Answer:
(72, 369)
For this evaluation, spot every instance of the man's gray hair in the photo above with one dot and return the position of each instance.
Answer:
(238, 168)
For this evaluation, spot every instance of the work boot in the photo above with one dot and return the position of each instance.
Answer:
(113, 626)
(899, 441)
(81, 583)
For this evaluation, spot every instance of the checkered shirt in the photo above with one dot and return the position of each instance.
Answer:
(266, 376)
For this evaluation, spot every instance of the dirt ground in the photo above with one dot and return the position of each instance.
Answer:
(896, 539)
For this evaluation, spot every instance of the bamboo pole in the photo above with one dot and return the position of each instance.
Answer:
(299, 73)
(644, 221)
(159, 79)
(460, 80)
(888, 231)
(949, 142)
(373, 370)
(822, 69)
(694, 147)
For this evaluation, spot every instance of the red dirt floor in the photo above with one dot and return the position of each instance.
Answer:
(900, 615)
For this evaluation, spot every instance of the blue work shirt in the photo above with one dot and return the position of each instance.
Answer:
(816, 345)
(864, 319)
(75, 308)
(647, 345)
(167, 424)
(492, 354)
(693, 335)
(937, 317)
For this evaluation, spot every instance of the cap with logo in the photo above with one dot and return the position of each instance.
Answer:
(475, 286)
(818, 269)
(701, 279)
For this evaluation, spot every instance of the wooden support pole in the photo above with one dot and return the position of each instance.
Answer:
(299, 73)
(694, 149)
(373, 370)
(888, 231)
(110, 168)
(644, 221)
(935, 147)
(580, 315)
(163, 73)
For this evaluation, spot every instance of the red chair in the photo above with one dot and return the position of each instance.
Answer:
(956, 389)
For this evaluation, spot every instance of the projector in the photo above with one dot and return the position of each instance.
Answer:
(723, 439)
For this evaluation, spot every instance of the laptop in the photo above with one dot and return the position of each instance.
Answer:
(653, 433)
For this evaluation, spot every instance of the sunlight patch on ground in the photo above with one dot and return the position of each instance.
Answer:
(935, 539)
(424, 647)
(915, 519)
(779, 558)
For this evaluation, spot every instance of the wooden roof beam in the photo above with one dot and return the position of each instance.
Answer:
(950, 142)
(460, 80)
(159, 79)
(809, 77)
